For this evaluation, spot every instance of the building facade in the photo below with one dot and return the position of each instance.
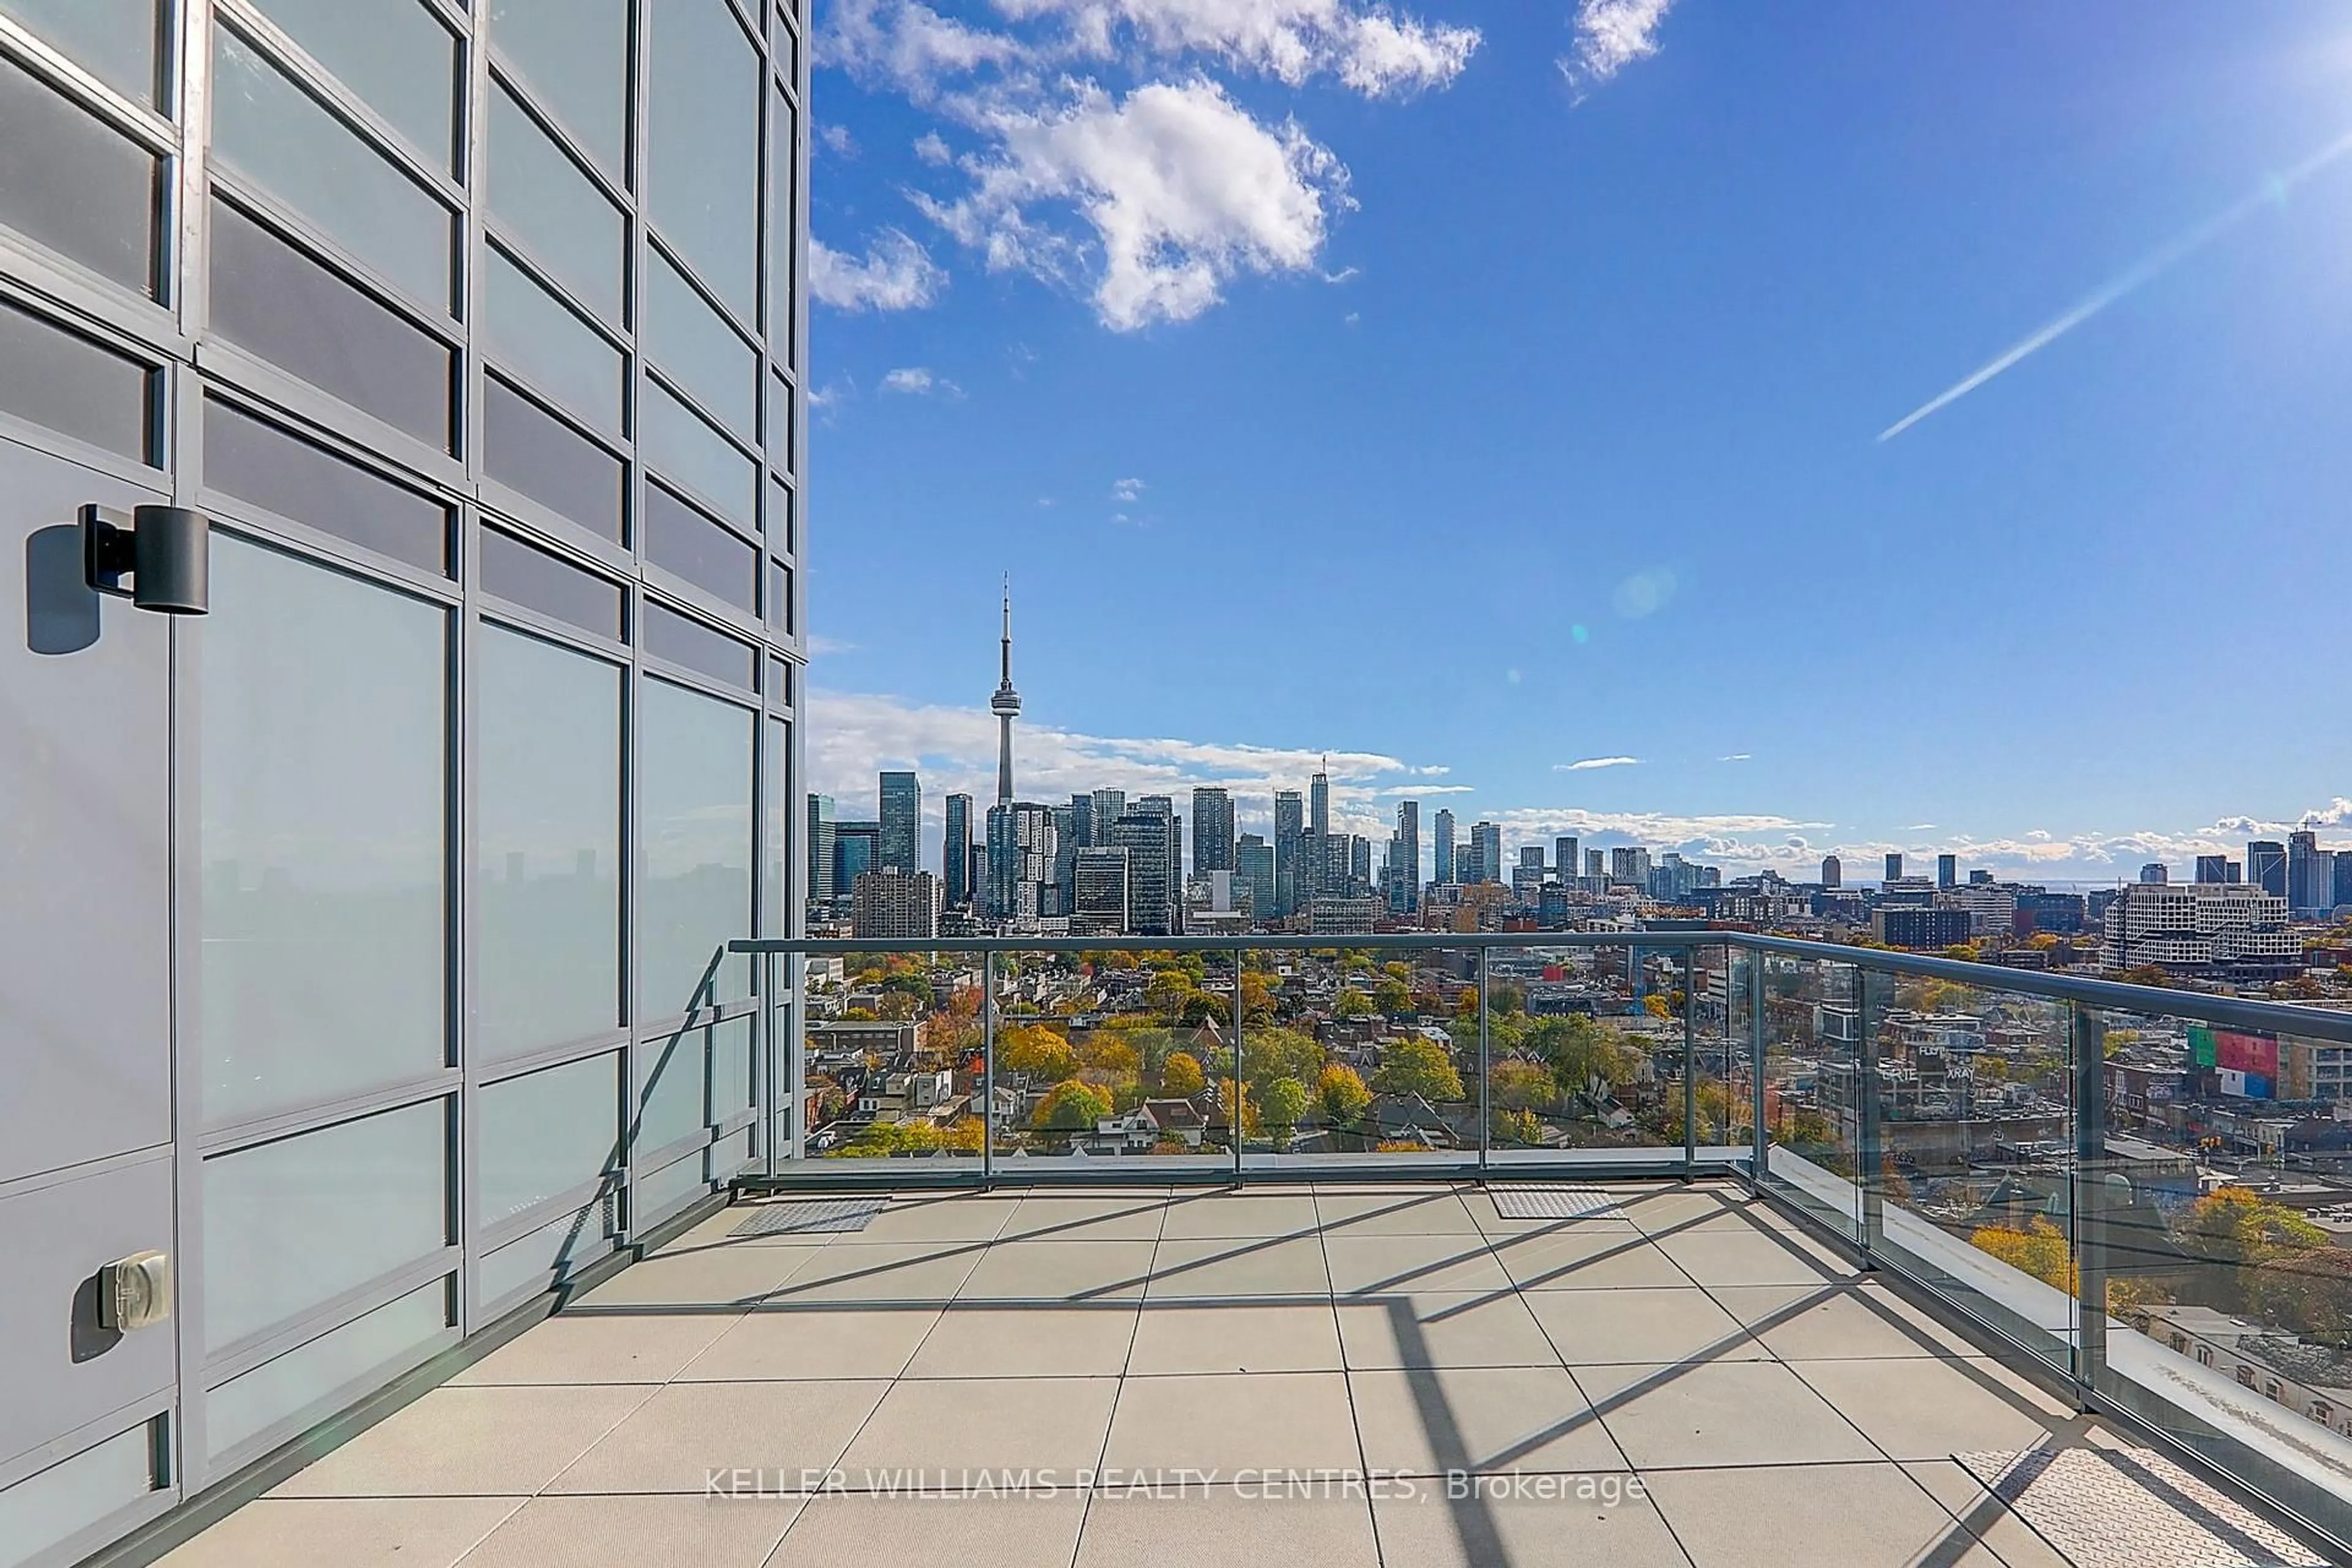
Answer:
(1442, 826)
(955, 851)
(1212, 829)
(390, 993)
(901, 803)
(895, 906)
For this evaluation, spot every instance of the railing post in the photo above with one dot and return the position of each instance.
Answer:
(1867, 1132)
(1234, 1118)
(1486, 1071)
(1690, 1062)
(1759, 1038)
(2088, 1199)
(988, 1068)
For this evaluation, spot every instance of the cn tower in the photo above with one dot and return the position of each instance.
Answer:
(1006, 706)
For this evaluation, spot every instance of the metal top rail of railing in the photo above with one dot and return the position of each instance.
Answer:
(2234, 1012)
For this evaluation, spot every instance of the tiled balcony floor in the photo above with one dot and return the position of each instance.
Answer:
(1172, 1347)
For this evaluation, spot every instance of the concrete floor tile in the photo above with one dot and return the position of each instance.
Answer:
(1085, 1219)
(1482, 1328)
(1577, 1255)
(1249, 1216)
(1856, 1516)
(951, 1218)
(718, 1230)
(1089, 1340)
(976, 1532)
(1194, 1269)
(675, 1440)
(470, 1442)
(1262, 1422)
(816, 1340)
(350, 1532)
(725, 1274)
(1596, 1327)
(1291, 1336)
(1432, 1420)
(1720, 1413)
(619, 1345)
(1388, 1212)
(1751, 1256)
(1374, 1265)
(1578, 1522)
(1987, 1517)
(638, 1532)
(1931, 1408)
(910, 1271)
(960, 1425)
(1060, 1271)
(1829, 1322)
(1229, 1527)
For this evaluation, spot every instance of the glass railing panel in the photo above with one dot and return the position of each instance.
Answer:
(2218, 1220)
(1974, 1169)
(893, 1068)
(1811, 1030)
(1583, 1071)
(1724, 1100)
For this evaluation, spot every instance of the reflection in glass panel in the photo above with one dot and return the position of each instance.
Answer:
(556, 352)
(681, 446)
(292, 1225)
(71, 182)
(392, 53)
(323, 774)
(114, 40)
(703, 144)
(671, 1074)
(545, 1133)
(529, 575)
(693, 343)
(548, 967)
(548, 203)
(680, 539)
(781, 433)
(72, 386)
(287, 142)
(782, 529)
(694, 827)
(245, 457)
(555, 1250)
(662, 1192)
(541, 456)
(363, 1349)
(274, 301)
(779, 609)
(776, 777)
(683, 640)
(576, 54)
(782, 217)
(730, 1068)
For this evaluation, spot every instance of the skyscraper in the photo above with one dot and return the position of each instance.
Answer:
(1020, 854)
(1006, 706)
(1105, 806)
(820, 849)
(955, 852)
(1408, 853)
(1596, 869)
(1444, 829)
(1254, 859)
(902, 821)
(1318, 797)
(1082, 818)
(1947, 870)
(2155, 872)
(2212, 867)
(1290, 838)
(1895, 868)
(1212, 829)
(2266, 866)
(2310, 880)
(1832, 871)
(1564, 857)
(1099, 892)
(1148, 834)
(1486, 839)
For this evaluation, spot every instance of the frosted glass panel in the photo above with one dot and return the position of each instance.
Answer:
(775, 768)
(547, 969)
(694, 822)
(545, 1133)
(324, 835)
(704, 144)
(673, 1073)
(69, 1497)
(576, 54)
(730, 1068)
(391, 53)
(292, 1225)
(114, 40)
(540, 193)
(393, 1336)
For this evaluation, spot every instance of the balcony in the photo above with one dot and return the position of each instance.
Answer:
(1325, 1373)
(1835, 1257)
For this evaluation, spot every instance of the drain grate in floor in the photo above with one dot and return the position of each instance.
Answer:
(2132, 1508)
(1553, 1203)
(810, 1216)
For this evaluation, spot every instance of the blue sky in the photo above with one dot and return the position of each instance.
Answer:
(1474, 390)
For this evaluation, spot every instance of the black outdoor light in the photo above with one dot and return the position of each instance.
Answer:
(163, 550)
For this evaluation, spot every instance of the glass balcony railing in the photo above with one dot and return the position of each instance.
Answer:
(2145, 1190)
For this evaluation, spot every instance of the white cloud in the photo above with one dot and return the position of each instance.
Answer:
(1369, 48)
(835, 138)
(1126, 492)
(919, 380)
(1610, 35)
(1734, 757)
(1585, 764)
(1183, 190)
(1643, 594)
(819, 645)
(896, 274)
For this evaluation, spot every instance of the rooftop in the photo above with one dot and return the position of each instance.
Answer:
(1687, 1379)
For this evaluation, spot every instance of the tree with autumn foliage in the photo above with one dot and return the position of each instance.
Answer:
(1341, 1089)
(1181, 1076)
(1073, 1106)
(1417, 1064)
(2237, 1231)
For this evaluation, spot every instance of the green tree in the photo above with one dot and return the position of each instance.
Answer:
(1517, 1085)
(1281, 1106)
(1417, 1064)
(1352, 1004)
(1273, 1053)
(1392, 996)
(1181, 1076)
(1578, 1050)
(1072, 1106)
(2309, 1291)
(2238, 1232)
(1343, 1093)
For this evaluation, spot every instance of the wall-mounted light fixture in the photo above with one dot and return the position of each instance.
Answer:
(163, 550)
(134, 1292)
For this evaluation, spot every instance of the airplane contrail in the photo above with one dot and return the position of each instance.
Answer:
(2159, 261)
